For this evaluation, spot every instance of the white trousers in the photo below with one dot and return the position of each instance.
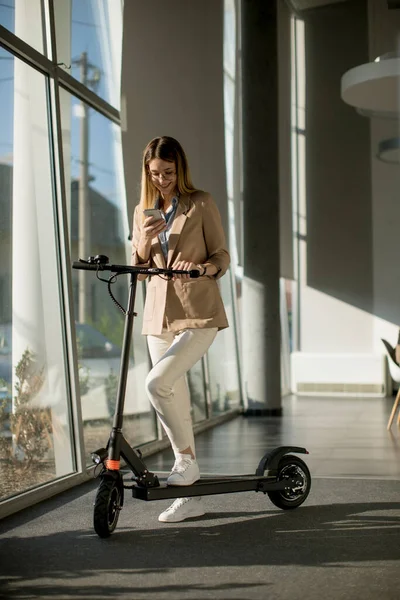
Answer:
(172, 355)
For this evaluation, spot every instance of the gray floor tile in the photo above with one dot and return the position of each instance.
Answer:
(346, 437)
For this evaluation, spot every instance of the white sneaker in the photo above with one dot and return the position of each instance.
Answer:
(181, 509)
(185, 471)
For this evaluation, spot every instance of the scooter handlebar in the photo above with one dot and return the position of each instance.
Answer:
(98, 266)
(84, 266)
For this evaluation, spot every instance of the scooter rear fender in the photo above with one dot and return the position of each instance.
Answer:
(270, 460)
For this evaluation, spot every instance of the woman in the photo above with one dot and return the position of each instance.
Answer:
(181, 316)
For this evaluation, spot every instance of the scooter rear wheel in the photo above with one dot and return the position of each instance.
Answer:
(292, 467)
(107, 506)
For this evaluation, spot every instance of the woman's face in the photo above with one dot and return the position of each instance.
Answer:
(163, 175)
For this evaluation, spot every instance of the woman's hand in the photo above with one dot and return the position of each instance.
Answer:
(184, 265)
(152, 228)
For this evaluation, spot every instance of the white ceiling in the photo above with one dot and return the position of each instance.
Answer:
(300, 5)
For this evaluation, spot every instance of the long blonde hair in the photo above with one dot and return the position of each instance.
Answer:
(169, 149)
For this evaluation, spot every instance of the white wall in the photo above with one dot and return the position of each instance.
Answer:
(384, 36)
(172, 84)
(336, 250)
(350, 292)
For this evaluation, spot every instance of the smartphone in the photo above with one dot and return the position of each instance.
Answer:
(153, 212)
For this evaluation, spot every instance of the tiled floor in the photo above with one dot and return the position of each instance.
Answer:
(346, 437)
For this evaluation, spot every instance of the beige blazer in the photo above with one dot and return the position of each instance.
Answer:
(196, 235)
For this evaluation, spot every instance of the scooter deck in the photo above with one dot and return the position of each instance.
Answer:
(207, 486)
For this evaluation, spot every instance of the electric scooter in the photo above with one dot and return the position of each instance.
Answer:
(283, 477)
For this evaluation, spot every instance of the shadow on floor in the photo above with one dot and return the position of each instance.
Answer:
(76, 563)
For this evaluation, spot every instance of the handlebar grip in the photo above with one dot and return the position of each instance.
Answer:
(86, 266)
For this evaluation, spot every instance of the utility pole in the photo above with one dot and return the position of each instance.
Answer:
(84, 216)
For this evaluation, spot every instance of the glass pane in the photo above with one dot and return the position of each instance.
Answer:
(229, 37)
(89, 44)
(140, 423)
(286, 333)
(35, 431)
(98, 225)
(222, 359)
(24, 19)
(195, 381)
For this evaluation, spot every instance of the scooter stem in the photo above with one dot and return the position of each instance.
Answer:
(114, 448)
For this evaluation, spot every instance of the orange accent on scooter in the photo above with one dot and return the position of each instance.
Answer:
(112, 465)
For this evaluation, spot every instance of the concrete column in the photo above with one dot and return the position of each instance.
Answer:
(261, 322)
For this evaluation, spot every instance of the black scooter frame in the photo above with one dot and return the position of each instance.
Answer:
(147, 485)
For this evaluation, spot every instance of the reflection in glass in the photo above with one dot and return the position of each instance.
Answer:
(98, 225)
(35, 429)
(299, 204)
(222, 359)
(195, 381)
(286, 332)
(89, 44)
(222, 355)
(232, 127)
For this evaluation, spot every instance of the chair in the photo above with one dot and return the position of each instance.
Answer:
(394, 370)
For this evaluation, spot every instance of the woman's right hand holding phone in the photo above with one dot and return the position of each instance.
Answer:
(152, 228)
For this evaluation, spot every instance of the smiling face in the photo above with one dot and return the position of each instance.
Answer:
(163, 176)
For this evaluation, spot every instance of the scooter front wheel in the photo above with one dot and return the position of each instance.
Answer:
(107, 506)
(291, 467)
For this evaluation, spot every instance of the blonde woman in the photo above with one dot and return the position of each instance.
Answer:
(181, 316)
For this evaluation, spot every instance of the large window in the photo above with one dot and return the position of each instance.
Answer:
(62, 198)
(35, 424)
(56, 396)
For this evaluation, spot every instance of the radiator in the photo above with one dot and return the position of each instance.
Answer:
(339, 374)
